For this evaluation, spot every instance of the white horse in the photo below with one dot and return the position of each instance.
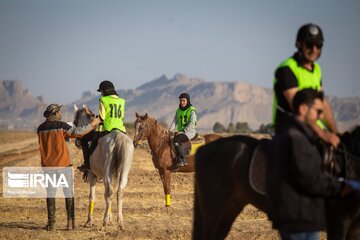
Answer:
(110, 161)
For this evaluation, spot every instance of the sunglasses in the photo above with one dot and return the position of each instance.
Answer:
(319, 112)
(310, 45)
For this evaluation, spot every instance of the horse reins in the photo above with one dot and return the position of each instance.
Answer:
(155, 140)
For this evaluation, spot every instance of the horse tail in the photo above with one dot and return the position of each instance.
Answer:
(124, 149)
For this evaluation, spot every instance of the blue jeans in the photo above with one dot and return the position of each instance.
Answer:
(288, 235)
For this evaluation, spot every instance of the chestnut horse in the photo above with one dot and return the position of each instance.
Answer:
(222, 187)
(147, 128)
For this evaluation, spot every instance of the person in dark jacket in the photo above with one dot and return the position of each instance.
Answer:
(54, 152)
(297, 187)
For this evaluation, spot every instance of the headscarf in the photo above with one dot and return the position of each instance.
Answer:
(187, 96)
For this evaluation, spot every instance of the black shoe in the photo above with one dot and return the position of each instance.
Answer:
(84, 168)
(70, 225)
(50, 227)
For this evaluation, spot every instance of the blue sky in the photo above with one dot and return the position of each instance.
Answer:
(59, 49)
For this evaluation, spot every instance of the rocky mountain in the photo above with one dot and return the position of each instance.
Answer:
(18, 108)
(222, 102)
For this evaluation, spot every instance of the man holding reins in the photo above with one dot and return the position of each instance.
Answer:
(298, 72)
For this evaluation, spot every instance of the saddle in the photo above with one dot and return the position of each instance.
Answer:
(258, 165)
(190, 147)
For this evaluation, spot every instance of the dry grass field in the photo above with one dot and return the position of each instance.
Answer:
(145, 216)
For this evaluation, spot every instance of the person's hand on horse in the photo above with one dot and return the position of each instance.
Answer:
(95, 121)
(332, 139)
(87, 110)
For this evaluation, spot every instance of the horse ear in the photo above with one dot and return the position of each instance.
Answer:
(137, 114)
(75, 107)
(145, 116)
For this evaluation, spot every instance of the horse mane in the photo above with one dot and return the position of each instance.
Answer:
(78, 115)
(349, 149)
(158, 126)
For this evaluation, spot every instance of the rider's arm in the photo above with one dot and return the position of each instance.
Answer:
(190, 128)
(290, 94)
(173, 124)
(329, 118)
(102, 111)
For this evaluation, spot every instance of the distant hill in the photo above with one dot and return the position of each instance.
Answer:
(223, 102)
(18, 108)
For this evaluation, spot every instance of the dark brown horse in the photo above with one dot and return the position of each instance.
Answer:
(222, 188)
(147, 128)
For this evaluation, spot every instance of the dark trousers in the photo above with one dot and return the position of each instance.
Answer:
(179, 141)
(92, 138)
(50, 200)
(51, 209)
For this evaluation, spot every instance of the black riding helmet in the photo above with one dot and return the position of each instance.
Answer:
(310, 33)
(107, 88)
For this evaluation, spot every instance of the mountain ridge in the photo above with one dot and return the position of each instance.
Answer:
(223, 102)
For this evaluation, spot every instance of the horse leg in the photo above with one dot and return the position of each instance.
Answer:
(197, 223)
(107, 196)
(123, 182)
(92, 184)
(228, 217)
(166, 180)
(120, 220)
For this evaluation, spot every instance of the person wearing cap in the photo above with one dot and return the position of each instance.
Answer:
(185, 122)
(54, 152)
(298, 72)
(111, 113)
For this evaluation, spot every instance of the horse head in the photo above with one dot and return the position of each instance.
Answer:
(83, 116)
(142, 128)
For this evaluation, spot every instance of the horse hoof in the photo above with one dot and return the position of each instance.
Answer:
(88, 225)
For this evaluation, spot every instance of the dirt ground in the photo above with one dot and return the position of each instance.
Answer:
(145, 216)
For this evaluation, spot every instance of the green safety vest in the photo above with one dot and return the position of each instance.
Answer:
(183, 118)
(114, 109)
(305, 78)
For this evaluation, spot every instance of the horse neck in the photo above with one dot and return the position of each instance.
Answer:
(352, 167)
(158, 136)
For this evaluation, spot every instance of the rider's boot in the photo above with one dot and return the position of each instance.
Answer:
(180, 156)
(86, 154)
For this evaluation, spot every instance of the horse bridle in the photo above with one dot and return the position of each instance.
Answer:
(144, 132)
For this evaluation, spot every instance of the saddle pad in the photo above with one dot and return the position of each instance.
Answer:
(196, 143)
(257, 171)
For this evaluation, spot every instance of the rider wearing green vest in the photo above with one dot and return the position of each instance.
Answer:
(185, 121)
(298, 72)
(111, 112)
